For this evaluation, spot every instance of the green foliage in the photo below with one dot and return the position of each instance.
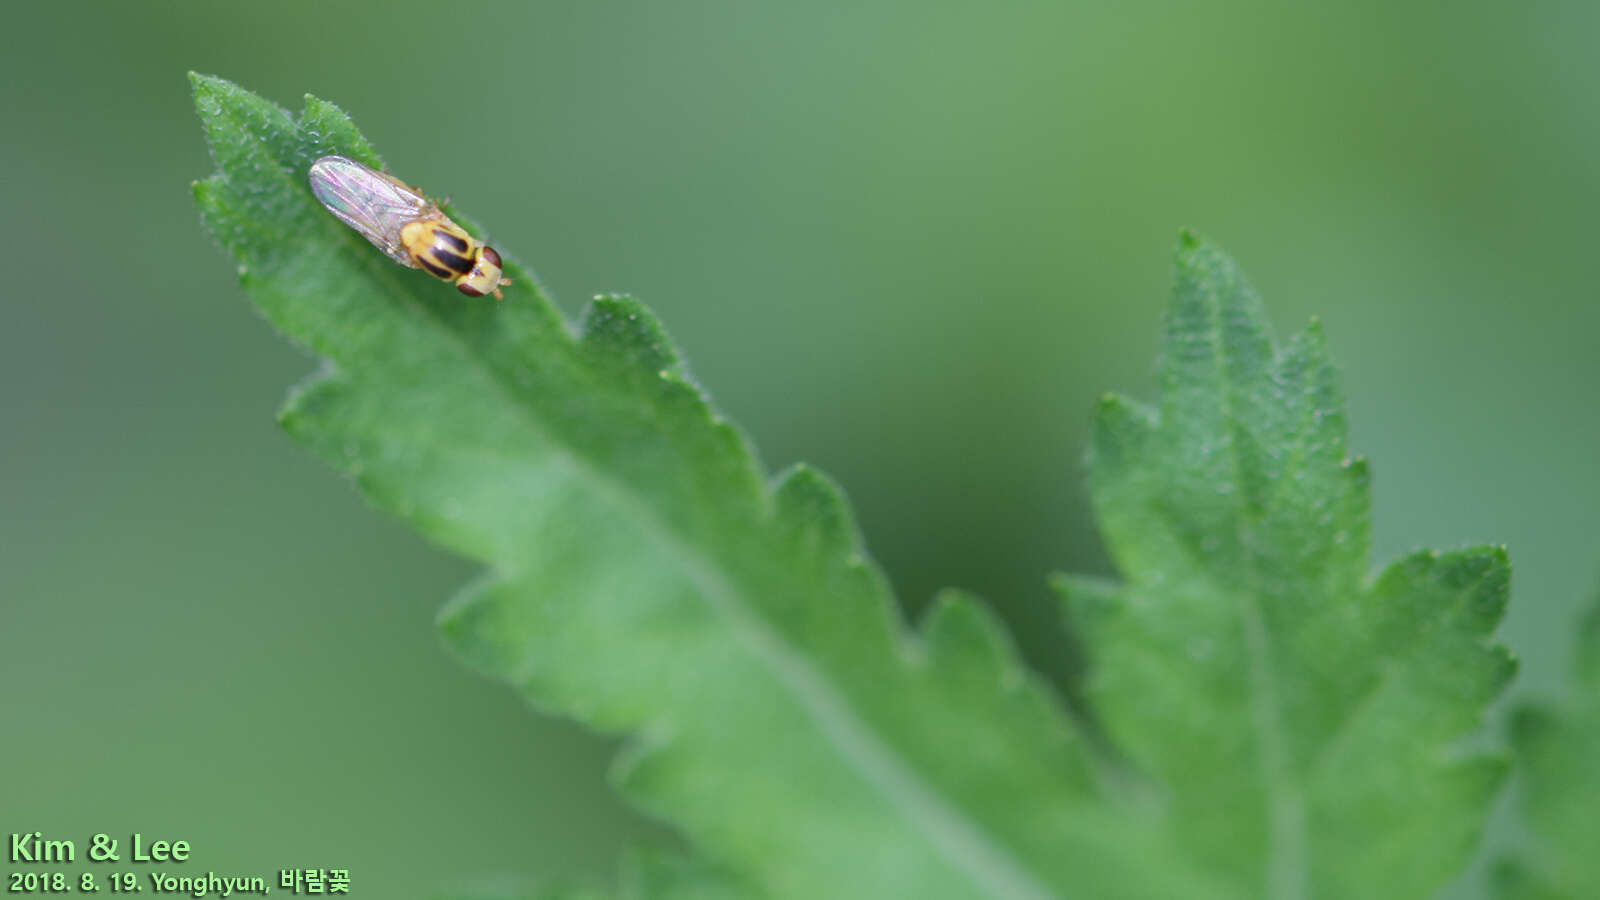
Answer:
(1286, 726)
(1296, 719)
(1558, 755)
(646, 578)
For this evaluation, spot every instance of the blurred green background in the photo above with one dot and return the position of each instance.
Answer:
(908, 241)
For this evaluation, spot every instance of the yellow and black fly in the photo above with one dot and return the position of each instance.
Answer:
(401, 222)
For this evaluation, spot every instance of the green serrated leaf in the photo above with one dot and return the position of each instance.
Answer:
(1558, 756)
(645, 577)
(1297, 722)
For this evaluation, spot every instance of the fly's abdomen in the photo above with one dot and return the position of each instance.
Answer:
(437, 250)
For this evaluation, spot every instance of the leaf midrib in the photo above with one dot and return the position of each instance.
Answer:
(1286, 871)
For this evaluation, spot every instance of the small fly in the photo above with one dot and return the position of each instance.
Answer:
(401, 222)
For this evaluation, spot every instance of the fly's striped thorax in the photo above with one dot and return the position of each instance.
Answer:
(438, 250)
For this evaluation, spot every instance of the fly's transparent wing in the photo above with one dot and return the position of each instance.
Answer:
(374, 204)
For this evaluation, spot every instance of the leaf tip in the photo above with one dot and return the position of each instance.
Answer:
(1196, 252)
(210, 87)
(620, 326)
(1116, 430)
(637, 765)
(302, 410)
(1118, 413)
(313, 107)
(1358, 478)
(812, 504)
(959, 626)
(472, 623)
(1476, 579)
(1492, 562)
(204, 193)
(1311, 347)
(1191, 255)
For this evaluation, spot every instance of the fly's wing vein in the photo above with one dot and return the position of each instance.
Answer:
(374, 206)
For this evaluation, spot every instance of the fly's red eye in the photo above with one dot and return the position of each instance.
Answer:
(469, 290)
(491, 255)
